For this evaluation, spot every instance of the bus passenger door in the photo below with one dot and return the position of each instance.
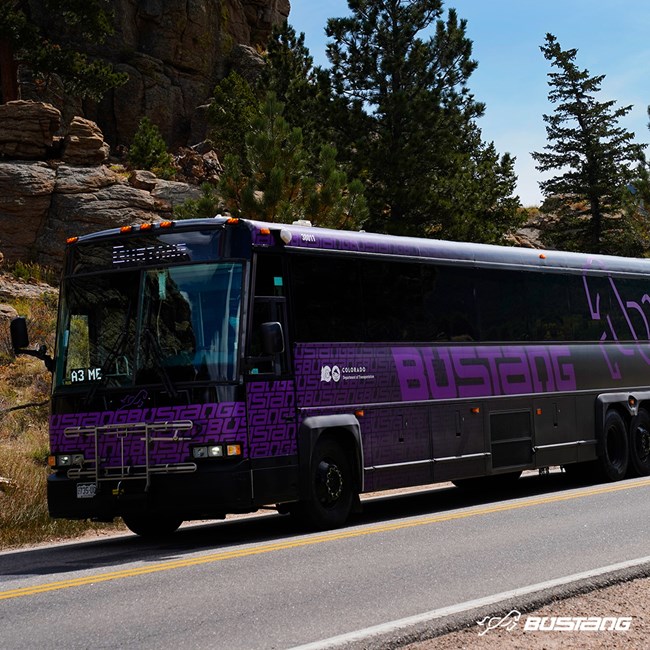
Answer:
(270, 408)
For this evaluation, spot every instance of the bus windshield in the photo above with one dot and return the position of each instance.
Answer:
(143, 326)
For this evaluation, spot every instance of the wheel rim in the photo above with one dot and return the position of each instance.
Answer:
(329, 483)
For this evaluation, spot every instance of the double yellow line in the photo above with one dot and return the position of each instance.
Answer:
(312, 540)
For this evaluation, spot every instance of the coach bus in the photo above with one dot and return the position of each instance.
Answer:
(215, 366)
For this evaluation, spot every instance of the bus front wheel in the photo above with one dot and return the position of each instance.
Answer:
(151, 526)
(331, 492)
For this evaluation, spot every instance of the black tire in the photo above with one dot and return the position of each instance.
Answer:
(152, 526)
(331, 491)
(494, 483)
(614, 449)
(640, 443)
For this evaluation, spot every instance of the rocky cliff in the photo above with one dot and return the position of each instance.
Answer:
(174, 51)
(69, 191)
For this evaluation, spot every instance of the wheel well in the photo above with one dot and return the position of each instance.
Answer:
(622, 411)
(645, 405)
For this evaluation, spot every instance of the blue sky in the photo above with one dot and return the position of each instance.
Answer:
(612, 38)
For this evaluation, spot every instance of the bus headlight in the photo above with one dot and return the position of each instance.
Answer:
(65, 460)
(207, 451)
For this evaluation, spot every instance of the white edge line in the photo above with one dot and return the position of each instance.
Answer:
(436, 614)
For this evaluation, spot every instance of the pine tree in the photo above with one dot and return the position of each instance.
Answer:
(636, 202)
(410, 124)
(279, 186)
(591, 153)
(233, 108)
(55, 51)
(149, 151)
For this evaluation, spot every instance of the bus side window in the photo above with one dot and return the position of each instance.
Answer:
(266, 311)
(269, 306)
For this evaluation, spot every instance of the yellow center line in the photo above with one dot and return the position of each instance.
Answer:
(311, 541)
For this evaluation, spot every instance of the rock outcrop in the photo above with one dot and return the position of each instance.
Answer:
(42, 203)
(28, 129)
(84, 143)
(174, 52)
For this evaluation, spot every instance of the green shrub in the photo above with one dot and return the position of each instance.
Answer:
(32, 271)
(207, 205)
(149, 151)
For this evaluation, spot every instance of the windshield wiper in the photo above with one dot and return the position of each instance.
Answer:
(158, 356)
(105, 367)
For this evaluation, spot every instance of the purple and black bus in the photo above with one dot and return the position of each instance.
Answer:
(216, 366)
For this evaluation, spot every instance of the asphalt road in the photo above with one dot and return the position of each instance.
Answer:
(259, 583)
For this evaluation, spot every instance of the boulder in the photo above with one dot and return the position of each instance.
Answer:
(7, 312)
(143, 179)
(27, 129)
(25, 197)
(173, 193)
(84, 143)
(197, 167)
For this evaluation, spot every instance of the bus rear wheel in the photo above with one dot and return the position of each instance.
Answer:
(331, 489)
(640, 443)
(152, 526)
(614, 455)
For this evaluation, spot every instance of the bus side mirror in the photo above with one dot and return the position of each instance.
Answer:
(20, 343)
(272, 338)
(19, 336)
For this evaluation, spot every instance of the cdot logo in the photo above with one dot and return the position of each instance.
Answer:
(328, 374)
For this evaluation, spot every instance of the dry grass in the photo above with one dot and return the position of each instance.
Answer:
(24, 518)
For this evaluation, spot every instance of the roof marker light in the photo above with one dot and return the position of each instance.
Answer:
(232, 221)
(265, 231)
(72, 240)
(146, 226)
(126, 228)
(542, 256)
(166, 224)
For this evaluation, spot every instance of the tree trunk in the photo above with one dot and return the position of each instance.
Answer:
(8, 73)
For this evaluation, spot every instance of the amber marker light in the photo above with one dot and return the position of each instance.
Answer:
(475, 410)
(71, 240)
(538, 411)
(265, 231)
(146, 226)
(360, 413)
(233, 450)
(232, 220)
(126, 228)
(542, 256)
(166, 224)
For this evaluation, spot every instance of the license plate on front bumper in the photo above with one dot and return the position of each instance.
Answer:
(86, 490)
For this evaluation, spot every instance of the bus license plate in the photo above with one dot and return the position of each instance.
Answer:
(86, 490)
